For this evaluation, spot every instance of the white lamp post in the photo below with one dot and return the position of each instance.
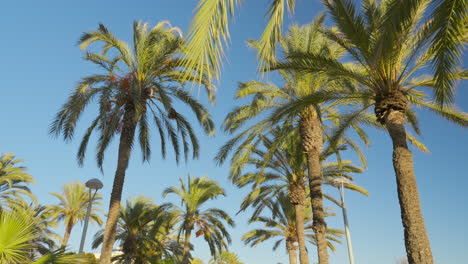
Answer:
(93, 184)
(339, 183)
(296, 245)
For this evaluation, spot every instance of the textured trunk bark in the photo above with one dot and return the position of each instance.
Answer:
(291, 252)
(311, 134)
(417, 243)
(125, 147)
(299, 208)
(186, 253)
(68, 230)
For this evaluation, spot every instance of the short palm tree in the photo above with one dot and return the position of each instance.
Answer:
(22, 235)
(13, 181)
(194, 193)
(389, 47)
(72, 207)
(144, 232)
(282, 227)
(225, 257)
(304, 105)
(138, 85)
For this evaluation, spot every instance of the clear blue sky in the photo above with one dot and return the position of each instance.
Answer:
(40, 63)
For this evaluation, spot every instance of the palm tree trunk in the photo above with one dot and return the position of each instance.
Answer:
(291, 252)
(68, 230)
(311, 134)
(417, 243)
(299, 208)
(186, 252)
(125, 147)
(297, 195)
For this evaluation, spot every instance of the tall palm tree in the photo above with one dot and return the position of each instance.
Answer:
(303, 105)
(281, 226)
(389, 48)
(144, 232)
(285, 172)
(13, 181)
(72, 207)
(138, 84)
(209, 222)
(22, 233)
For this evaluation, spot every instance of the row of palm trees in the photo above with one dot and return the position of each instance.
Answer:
(388, 45)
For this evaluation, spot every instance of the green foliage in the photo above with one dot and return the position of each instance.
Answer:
(278, 110)
(144, 232)
(225, 257)
(211, 222)
(22, 233)
(13, 181)
(144, 81)
(281, 225)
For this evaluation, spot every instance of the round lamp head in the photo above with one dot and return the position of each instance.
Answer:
(94, 184)
(338, 181)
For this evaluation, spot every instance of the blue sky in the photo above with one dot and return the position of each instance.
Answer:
(40, 63)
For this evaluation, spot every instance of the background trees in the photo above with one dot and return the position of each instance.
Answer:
(13, 181)
(210, 223)
(72, 207)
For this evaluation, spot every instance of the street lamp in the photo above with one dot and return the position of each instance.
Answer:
(340, 182)
(93, 184)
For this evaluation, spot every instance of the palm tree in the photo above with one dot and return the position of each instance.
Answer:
(137, 85)
(209, 222)
(13, 181)
(73, 206)
(285, 173)
(144, 232)
(281, 226)
(303, 106)
(21, 237)
(209, 34)
(225, 257)
(388, 47)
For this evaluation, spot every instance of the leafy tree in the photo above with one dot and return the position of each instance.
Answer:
(144, 233)
(73, 206)
(281, 226)
(225, 257)
(138, 84)
(304, 105)
(209, 222)
(21, 235)
(13, 181)
(389, 47)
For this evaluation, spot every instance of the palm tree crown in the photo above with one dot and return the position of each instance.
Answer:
(13, 180)
(72, 207)
(209, 222)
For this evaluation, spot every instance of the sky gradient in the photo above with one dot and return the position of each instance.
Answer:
(41, 63)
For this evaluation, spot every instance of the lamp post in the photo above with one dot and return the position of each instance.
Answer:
(339, 183)
(93, 184)
(296, 245)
